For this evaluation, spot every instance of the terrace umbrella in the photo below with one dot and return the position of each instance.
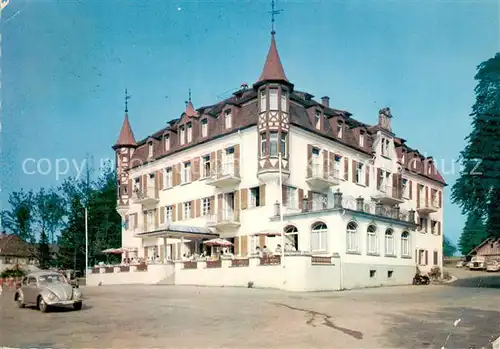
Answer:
(218, 242)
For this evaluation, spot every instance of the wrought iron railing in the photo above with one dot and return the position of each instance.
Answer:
(319, 171)
(223, 216)
(224, 169)
(139, 193)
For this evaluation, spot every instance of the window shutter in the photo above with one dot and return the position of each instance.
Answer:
(145, 221)
(283, 194)
(160, 178)
(331, 157)
(191, 214)
(346, 168)
(145, 253)
(262, 193)
(262, 241)
(129, 189)
(354, 171)
(394, 185)
(426, 196)
(426, 257)
(179, 212)
(197, 208)
(418, 195)
(300, 198)
(379, 178)
(236, 245)
(157, 184)
(156, 218)
(212, 163)
(440, 197)
(174, 213)
(244, 244)
(145, 184)
(309, 200)
(367, 175)
(127, 221)
(195, 169)
(218, 161)
(325, 164)
(219, 206)
(212, 204)
(237, 160)
(162, 214)
(237, 205)
(410, 183)
(309, 160)
(439, 228)
(244, 198)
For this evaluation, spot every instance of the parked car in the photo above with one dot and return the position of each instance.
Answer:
(492, 265)
(478, 263)
(460, 264)
(47, 289)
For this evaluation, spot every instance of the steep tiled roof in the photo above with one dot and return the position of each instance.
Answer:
(273, 69)
(126, 137)
(12, 245)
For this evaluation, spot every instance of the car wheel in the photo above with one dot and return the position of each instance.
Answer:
(20, 301)
(77, 306)
(42, 305)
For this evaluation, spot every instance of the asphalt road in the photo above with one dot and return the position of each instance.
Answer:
(202, 317)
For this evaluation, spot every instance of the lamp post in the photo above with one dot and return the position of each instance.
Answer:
(282, 228)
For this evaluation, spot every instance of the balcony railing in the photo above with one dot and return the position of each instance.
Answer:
(224, 175)
(359, 204)
(388, 194)
(320, 177)
(146, 198)
(225, 218)
(428, 206)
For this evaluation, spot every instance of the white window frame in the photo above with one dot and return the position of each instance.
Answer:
(169, 211)
(292, 197)
(189, 132)
(186, 173)
(254, 192)
(390, 246)
(182, 135)
(405, 244)
(319, 237)
(352, 237)
(204, 128)
(273, 142)
(263, 144)
(317, 120)
(372, 240)
(283, 141)
(273, 99)
(205, 206)
(263, 100)
(284, 104)
(168, 178)
(150, 149)
(360, 173)
(406, 187)
(206, 172)
(361, 139)
(186, 210)
(166, 142)
(340, 127)
(228, 122)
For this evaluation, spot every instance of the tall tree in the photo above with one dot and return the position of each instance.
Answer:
(473, 234)
(478, 187)
(49, 210)
(449, 247)
(44, 257)
(20, 217)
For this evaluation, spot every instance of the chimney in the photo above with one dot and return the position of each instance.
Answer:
(325, 101)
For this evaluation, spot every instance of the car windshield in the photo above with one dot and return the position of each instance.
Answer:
(51, 279)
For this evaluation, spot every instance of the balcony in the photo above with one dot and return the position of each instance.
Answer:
(121, 208)
(148, 198)
(320, 178)
(389, 195)
(224, 220)
(427, 206)
(224, 176)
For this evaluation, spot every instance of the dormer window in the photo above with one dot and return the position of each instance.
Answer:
(429, 168)
(403, 156)
(182, 135)
(228, 119)
(150, 149)
(339, 129)
(385, 147)
(189, 132)
(284, 104)
(317, 120)
(273, 99)
(166, 142)
(361, 139)
(204, 127)
(263, 100)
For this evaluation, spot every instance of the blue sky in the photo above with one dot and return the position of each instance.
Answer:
(66, 65)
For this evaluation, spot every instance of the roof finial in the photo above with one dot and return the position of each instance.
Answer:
(127, 97)
(273, 12)
(190, 95)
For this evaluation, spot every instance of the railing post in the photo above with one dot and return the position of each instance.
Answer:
(378, 208)
(360, 204)
(396, 211)
(411, 216)
(337, 199)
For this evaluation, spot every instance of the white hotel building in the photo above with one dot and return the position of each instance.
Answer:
(360, 207)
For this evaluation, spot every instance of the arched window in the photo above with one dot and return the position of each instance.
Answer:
(318, 237)
(372, 241)
(389, 242)
(292, 238)
(352, 237)
(405, 244)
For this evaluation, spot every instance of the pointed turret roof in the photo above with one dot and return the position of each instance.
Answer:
(126, 138)
(190, 111)
(273, 69)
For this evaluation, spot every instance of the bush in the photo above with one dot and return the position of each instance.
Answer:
(435, 273)
(13, 272)
(446, 275)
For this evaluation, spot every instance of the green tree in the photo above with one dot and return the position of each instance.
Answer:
(473, 234)
(449, 247)
(20, 217)
(478, 187)
(44, 257)
(49, 211)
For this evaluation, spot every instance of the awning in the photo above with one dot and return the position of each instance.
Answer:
(178, 231)
(269, 233)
